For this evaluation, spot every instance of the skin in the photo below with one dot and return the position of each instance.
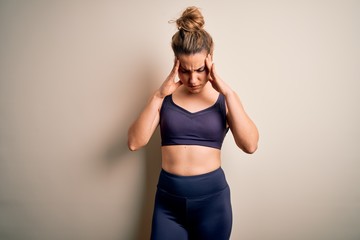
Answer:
(198, 88)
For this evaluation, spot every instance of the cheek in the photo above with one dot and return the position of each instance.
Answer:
(182, 76)
(203, 76)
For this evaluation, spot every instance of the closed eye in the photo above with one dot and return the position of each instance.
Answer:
(183, 70)
(201, 69)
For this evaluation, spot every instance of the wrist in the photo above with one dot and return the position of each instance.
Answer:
(158, 95)
(228, 92)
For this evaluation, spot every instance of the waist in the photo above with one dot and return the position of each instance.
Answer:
(193, 186)
(190, 159)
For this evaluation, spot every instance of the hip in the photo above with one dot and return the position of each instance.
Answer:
(193, 186)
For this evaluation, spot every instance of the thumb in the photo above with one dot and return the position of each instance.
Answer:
(178, 83)
(213, 71)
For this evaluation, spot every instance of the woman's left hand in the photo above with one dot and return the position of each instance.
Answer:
(217, 83)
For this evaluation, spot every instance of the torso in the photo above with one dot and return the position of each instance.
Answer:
(188, 160)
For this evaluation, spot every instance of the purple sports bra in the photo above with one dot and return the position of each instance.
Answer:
(206, 127)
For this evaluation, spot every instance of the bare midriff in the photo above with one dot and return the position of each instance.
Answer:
(190, 160)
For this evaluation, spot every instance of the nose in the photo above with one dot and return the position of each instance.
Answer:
(192, 77)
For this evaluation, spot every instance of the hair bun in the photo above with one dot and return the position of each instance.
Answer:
(191, 20)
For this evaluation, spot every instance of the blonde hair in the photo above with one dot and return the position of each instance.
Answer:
(191, 36)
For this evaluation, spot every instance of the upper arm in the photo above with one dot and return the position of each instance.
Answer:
(242, 128)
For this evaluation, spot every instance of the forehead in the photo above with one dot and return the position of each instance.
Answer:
(192, 61)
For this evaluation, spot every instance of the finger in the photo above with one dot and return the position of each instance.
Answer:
(176, 64)
(208, 66)
(208, 62)
(213, 69)
(174, 71)
(178, 84)
(175, 68)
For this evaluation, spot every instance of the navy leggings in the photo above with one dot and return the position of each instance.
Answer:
(192, 207)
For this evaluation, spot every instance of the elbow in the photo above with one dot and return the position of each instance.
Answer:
(134, 146)
(250, 149)
(132, 142)
(251, 145)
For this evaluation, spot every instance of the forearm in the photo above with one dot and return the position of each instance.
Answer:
(242, 127)
(144, 126)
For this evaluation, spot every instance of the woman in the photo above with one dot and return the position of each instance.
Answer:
(194, 114)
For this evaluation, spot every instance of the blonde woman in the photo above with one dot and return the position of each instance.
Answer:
(194, 114)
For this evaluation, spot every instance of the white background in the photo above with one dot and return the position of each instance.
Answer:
(75, 74)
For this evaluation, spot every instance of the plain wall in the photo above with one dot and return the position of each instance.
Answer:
(75, 74)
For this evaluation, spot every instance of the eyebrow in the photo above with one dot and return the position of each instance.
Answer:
(194, 70)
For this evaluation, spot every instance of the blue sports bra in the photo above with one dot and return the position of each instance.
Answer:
(206, 127)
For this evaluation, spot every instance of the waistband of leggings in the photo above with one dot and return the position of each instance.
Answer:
(193, 186)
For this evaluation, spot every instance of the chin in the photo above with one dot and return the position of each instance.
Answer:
(197, 90)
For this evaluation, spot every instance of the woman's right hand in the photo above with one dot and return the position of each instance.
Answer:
(169, 85)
